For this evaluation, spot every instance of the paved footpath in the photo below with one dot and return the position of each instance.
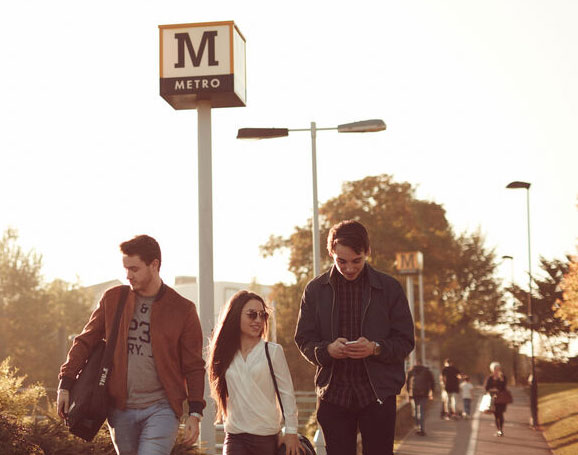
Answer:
(477, 436)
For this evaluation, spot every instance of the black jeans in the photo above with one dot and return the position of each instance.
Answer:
(249, 444)
(499, 410)
(376, 423)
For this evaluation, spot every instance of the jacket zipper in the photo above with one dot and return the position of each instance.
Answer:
(332, 334)
(364, 361)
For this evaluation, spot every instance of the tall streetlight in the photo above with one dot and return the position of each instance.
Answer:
(365, 126)
(510, 258)
(534, 383)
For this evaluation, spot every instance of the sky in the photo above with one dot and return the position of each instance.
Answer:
(474, 94)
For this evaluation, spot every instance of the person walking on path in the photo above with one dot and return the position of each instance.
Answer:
(356, 327)
(450, 379)
(466, 388)
(241, 381)
(496, 383)
(420, 386)
(157, 361)
(477, 436)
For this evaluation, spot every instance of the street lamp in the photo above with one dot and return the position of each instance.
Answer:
(534, 383)
(510, 258)
(365, 126)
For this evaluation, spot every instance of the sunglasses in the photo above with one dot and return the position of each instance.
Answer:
(253, 315)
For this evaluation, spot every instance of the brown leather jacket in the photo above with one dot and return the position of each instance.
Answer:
(176, 339)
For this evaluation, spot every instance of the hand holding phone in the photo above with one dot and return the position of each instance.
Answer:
(352, 342)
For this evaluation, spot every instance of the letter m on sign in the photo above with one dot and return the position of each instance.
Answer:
(184, 41)
(411, 262)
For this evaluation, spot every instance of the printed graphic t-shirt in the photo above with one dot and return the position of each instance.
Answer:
(144, 385)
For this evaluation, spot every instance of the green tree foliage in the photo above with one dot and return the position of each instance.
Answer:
(460, 289)
(22, 321)
(36, 318)
(547, 291)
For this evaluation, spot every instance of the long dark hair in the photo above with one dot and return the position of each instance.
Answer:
(225, 343)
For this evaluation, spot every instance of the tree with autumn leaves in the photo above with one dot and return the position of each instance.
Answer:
(554, 305)
(567, 307)
(461, 293)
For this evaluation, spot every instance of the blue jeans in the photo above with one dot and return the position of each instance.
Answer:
(419, 404)
(148, 431)
(468, 406)
(451, 403)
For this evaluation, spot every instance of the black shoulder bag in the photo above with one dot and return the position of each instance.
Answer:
(305, 443)
(89, 401)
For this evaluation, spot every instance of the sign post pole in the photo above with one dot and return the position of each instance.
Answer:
(202, 66)
(409, 264)
(411, 301)
(206, 282)
(421, 318)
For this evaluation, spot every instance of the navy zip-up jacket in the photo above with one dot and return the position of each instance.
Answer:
(386, 319)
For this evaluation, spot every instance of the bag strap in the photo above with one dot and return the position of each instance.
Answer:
(111, 341)
(273, 377)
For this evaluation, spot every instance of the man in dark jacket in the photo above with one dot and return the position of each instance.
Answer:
(355, 326)
(420, 387)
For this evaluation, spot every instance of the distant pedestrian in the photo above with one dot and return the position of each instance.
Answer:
(496, 383)
(466, 388)
(450, 378)
(420, 386)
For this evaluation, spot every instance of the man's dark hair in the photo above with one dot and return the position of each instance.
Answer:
(348, 233)
(144, 246)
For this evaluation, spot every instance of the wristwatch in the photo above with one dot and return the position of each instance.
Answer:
(197, 415)
(377, 349)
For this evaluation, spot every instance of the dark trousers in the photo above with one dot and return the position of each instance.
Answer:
(376, 423)
(499, 410)
(249, 444)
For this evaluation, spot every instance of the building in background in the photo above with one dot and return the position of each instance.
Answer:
(187, 287)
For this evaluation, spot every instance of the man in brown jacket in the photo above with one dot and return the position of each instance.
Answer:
(157, 361)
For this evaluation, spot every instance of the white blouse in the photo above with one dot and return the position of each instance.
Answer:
(252, 405)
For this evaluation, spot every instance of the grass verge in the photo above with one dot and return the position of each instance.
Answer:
(558, 415)
(404, 423)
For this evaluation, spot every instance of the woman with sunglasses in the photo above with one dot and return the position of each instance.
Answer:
(241, 382)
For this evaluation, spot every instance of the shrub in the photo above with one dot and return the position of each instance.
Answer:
(21, 434)
(15, 400)
(14, 437)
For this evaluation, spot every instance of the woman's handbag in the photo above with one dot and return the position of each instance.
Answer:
(89, 401)
(504, 397)
(486, 404)
(305, 443)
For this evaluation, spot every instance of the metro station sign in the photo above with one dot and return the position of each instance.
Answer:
(203, 61)
(409, 262)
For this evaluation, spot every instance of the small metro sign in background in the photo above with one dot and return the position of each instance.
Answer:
(409, 262)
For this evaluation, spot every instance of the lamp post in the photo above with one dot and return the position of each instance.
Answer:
(365, 126)
(511, 258)
(534, 383)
